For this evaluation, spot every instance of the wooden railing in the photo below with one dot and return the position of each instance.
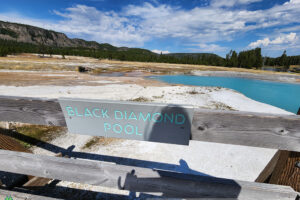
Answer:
(229, 127)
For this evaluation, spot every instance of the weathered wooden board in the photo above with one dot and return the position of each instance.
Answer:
(9, 143)
(22, 196)
(229, 127)
(245, 128)
(286, 171)
(136, 179)
(9, 180)
(269, 168)
(36, 182)
(31, 110)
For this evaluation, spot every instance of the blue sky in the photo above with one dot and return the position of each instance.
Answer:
(169, 25)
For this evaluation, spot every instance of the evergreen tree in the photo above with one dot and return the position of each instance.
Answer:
(259, 59)
(234, 59)
(283, 61)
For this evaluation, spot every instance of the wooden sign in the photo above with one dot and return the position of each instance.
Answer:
(129, 120)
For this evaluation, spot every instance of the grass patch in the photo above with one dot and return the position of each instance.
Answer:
(145, 68)
(141, 99)
(222, 106)
(158, 97)
(35, 67)
(91, 143)
(41, 133)
(193, 92)
(169, 68)
(99, 141)
(112, 69)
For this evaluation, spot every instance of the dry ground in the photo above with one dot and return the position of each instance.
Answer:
(71, 63)
(166, 67)
(68, 78)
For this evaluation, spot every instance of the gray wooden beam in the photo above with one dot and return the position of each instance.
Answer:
(31, 110)
(136, 179)
(247, 128)
(22, 196)
(229, 127)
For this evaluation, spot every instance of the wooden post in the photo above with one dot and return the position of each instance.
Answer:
(8, 143)
(264, 176)
(283, 169)
(11, 179)
(287, 171)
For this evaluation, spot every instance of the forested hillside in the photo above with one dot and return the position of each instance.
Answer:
(109, 52)
(284, 61)
(39, 36)
(245, 59)
(20, 38)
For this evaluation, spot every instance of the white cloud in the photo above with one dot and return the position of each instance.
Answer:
(101, 26)
(230, 3)
(209, 24)
(264, 42)
(292, 2)
(88, 23)
(282, 39)
(160, 51)
(136, 24)
(202, 47)
(289, 29)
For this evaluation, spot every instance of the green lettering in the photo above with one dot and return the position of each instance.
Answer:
(115, 129)
(104, 113)
(141, 116)
(107, 126)
(168, 117)
(126, 129)
(132, 116)
(120, 114)
(158, 119)
(77, 114)
(87, 113)
(177, 119)
(137, 131)
(70, 111)
(94, 112)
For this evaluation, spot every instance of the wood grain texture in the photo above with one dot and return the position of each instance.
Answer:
(268, 170)
(286, 172)
(9, 143)
(22, 196)
(31, 110)
(138, 179)
(229, 127)
(36, 182)
(11, 179)
(245, 128)
(283, 157)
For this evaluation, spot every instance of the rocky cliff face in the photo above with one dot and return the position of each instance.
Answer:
(39, 36)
